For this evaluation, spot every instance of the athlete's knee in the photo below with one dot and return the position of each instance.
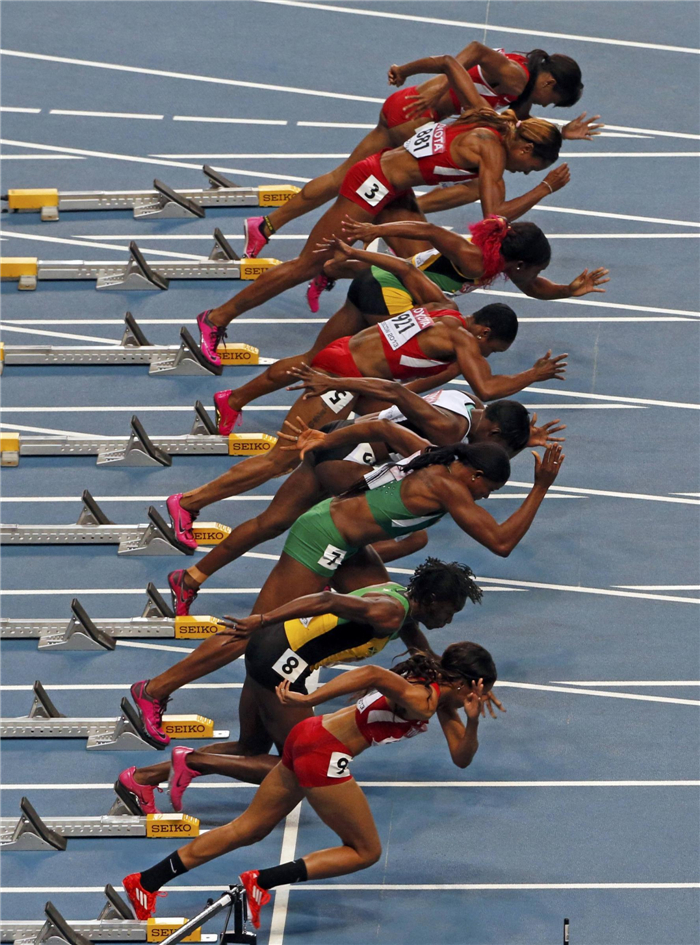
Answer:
(369, 854)
(271, 523)
(252, 831)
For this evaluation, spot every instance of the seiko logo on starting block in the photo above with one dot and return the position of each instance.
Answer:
(245, 444)
(238, 353)
(274, 195)
(254, 268)
(194, 628)
(171, 825)
(210, 533)
(188, 726)
(159, 929)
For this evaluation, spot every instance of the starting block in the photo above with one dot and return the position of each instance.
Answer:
(125, 733)
(160, 203)
(185, 359)
(115, 923)
(94, 528)
(32, 832)
(136, 273)
(137, 449)
(80, 632)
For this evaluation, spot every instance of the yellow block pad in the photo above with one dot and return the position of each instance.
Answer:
(32, 199)
(195, 628)
(12, 267)
(188, 726)
(239, 353)
(210, 533)
(2, 350)
(171, 825)
(9, 441)
(246, 444)
(159, 929)
(254, 268)
(274, 195)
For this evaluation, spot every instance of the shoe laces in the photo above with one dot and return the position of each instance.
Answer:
(160, 707)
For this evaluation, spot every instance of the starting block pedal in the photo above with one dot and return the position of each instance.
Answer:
(136, 273)
(32, 832)
(80, 632)
(125, 733)
(115, 923)
(160, 203)
(163, 360)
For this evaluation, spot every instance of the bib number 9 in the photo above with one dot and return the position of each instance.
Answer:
(290, 665)
(338, 766)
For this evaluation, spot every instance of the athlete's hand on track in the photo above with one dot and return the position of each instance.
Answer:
(542, 436)
(558, 178)
(582, 128)
(472, 700)
(488, 701)
(395, 76)
(315, 382)
(287, 697)
(239, 628)
(549, 368)
(547, 469)
(588, 282)
(303, 437)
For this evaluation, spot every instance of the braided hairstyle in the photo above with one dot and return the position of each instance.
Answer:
(461, 662)
(565, 71)
(545, 138)
(453, 582)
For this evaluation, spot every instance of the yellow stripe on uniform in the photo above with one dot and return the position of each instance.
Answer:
(300, 632)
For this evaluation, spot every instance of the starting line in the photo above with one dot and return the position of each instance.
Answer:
(125, 733)
(94, 528)
(80, 632)
(136, 273)
(161, 203)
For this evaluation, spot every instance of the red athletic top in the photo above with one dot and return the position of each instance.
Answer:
(430, 146)
(494, 98)
(399, 337)
(379, 724)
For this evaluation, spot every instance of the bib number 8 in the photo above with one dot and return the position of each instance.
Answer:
(338, 766)
(290, 665)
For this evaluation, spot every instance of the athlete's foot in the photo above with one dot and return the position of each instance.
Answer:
(257, 896)
(140, 794)
(143, 901)
(151, 712)
(182, 596)
(255, 239)
(321, 283)
(182, 520)
(210, 337)
(180, 776)
(226, 417)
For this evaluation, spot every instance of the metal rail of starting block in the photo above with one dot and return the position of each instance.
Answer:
(94, 528)
(81, 632)
(115, 923)
(137, 449)
(124, 733)
(29, 831)
(136, 273)
(185, 359)
(160, 203)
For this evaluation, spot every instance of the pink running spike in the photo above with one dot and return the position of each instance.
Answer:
(151, 712)
(319, 284)
(226, 417)
(180, 776)
(255, 242)
(142, 794)
(182, 520)
(182, 596)
(210, 337)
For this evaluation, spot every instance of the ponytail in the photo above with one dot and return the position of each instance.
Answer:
(545, 138)
(502, 242)
(460, 663)
(490, 458)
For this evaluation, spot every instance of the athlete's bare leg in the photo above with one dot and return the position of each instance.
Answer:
(343, 808)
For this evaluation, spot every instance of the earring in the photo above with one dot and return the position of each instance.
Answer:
(473, 478)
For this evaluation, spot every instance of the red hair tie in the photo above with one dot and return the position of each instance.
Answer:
(488, 236)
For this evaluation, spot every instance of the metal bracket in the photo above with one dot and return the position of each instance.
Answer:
(155, 604)
(31, 833)
(91, 513)
(188, 360)
(216, 179)
(42, 706)
(79, 634)
(56, 930)
(222, 249)
(115, 907)
(167, 205)
(158, 538)
(133, 336)
(137, 274)
(138, 451)
(203, 424)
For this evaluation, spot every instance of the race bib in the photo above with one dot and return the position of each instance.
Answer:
(290, 665)
(337, 400)
(399, 329)
(429, 139)
(372, 191)
(338, 765)
(362, 454)
(332, 557)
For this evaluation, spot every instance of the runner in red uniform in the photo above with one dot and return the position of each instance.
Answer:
(316, 762)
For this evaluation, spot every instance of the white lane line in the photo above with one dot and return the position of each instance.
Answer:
(333, 124)
(24, 111)
(155, 646)
(34, 237)
(406, 18)
(39, 157)
(233, 785)
(618, 305)
(265, 157)
(652, 132)
(696, 494)
(188, 75)
(61, 111)
(81, 686)
(59, 334)
(227, 121)
(152, 408)
(122, 498)
(373, 887)
(596, 692)
(101, 591)
(287, 853)
(627, 400)
(577, 589)
(613, 495)
(616, 216)
(660, 587)
(629, 154)
(593, 319)
(50, 430)
(623, 236)
(627, 682)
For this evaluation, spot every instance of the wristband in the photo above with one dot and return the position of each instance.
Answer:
(547, 184)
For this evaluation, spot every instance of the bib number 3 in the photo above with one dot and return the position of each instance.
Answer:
(372, 191)
(338, 766)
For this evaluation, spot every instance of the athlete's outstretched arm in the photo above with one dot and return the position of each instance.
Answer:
(487, 386)
(583, 284)
(457, 77)
(483, 527)
(397, 438)
(462, 739)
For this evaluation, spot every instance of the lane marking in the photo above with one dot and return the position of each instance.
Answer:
(630, 154)
(378, 887)
(334, 124)
(59, 334)
(650, 131)
(61, 111)
(614, 495)
(577, 589)
(596, 692)
(661, 587)
(287, 853)
(79, 687)
(190, 76)
(39, 157)
(232, 785)
(616, 216)
(25, 111)
(15, 234)
(264, 157)
(626, 400)
(593, 319)
(228, 121)
(627, 682)
(50, 430)
(152, 408)
(630, 308)
(406, 18)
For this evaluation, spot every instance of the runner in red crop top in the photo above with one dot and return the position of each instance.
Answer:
(315, 763)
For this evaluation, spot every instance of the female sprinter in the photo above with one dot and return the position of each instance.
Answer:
(504, 80)
(481, 144)
(327, 544)
(315, 766)
(289, 643)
